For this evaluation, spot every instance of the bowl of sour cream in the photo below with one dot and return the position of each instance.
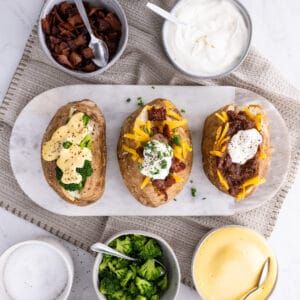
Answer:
(212, 40)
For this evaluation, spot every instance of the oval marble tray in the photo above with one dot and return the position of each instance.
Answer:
(197, 101)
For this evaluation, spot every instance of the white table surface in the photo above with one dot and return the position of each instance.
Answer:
(276, 34)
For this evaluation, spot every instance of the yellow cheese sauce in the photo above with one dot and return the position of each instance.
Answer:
(73, 157)
(229, 262)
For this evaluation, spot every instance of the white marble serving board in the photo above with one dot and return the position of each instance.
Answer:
(197, 101)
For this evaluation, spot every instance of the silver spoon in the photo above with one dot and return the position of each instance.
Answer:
(98, 46)
(262, 278)
(165, 14)
(102, 248)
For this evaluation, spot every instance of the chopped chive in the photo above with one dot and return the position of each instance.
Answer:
(175, 199)
(193, 192)
(176, 140)
(203, 198)
(128, 100)
(153, 87)
(183, 110)
(163, 164)
(140, 101)
(191, 181)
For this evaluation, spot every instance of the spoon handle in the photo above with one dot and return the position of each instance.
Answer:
(83, 15)
(102, 248)
(163, 13)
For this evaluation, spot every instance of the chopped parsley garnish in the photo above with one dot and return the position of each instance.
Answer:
(67, 144)
(176, 140)
(175, 199)
(140, 102)
(86, 142)
(183, 110)
(191, 181)
(85, 119)
(163, 164)
(193, 192)
(128, 100)
(153, 87)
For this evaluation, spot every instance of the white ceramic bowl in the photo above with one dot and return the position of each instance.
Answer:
(110, 5)
(248, 22)
(169, 260)
(201, 243)
(54, 245)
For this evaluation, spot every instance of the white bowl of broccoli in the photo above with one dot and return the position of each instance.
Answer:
(118, 279)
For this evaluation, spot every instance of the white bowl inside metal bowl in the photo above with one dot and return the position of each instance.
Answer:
(243, 55)
(53, 245)
(110, 5)
(169, 260)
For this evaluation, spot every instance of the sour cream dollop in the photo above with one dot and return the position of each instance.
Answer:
(243, 145)
(214, 40)
(157, 160)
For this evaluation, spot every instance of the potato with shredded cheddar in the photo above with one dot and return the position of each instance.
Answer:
(155, 152)
(236, 149)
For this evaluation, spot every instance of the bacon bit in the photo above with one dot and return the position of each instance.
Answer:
(75, 58)
(157, 114)
(177, 165)
(167, 132)
(88, 53)
(63, 59)
(67, 37)
(163, 184)
(160, 137)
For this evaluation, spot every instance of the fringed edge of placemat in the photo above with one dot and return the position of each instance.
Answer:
(18, 73)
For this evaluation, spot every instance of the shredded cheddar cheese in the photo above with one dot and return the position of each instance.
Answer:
(140, 132)
(173, 114)
(222, 180)
(175, 124)
(216, 153)
(145, 182)
(177, 178)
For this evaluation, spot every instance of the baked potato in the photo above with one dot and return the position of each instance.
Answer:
(236, 149)
(155, 153)
(73, 152)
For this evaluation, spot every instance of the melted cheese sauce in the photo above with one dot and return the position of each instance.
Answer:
(228, 264)
(73, 157)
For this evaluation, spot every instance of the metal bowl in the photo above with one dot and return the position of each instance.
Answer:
(248, 22)
(169, 260)
(207, 235)
(110, 5)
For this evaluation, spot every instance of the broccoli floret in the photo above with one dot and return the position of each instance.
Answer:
(104, 263)
(123, 245)
(133, 290)
(150, 250)
(121, 273)
(119, 295)
(130, 275)
(155, 297)
(109, 284)
(86, 170)
(145, 287)
(86, 142)
(85, 120)
(139, 297)
(163, 284)
(149, 271)
(138, 242)
(121, 263)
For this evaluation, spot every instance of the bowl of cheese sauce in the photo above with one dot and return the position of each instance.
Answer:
(212, 39)
(228, 262)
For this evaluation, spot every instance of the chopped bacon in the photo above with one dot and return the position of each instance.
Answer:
(88, 53)
(67, 37)
(164, 184)
(157, 114)
(160, 137)
(75, 58)
(140, 151)
(167, 132)
(177, 165)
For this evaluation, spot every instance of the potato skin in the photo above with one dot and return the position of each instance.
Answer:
(94, 185)
(208, 140)
(132, 177)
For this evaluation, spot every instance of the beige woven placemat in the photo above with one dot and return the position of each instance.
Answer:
(143, 62)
